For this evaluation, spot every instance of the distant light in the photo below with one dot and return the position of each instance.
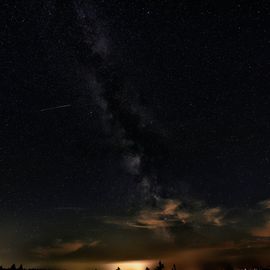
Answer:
(130, 265)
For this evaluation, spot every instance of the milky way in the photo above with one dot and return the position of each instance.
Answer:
(134, 130)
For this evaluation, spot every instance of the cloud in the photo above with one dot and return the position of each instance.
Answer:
(158, 219)
(265, 204)
(169, 213)
(170, 207)
(169, 228)
(151, 220)
(214, 216)
(263, 231)
(162, 217)
(60, 248)
(183, 216)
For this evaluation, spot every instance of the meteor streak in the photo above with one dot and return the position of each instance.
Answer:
(55, 108)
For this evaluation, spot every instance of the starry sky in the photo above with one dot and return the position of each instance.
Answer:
(133, 131)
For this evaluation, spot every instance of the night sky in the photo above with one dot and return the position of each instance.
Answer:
(133, 131)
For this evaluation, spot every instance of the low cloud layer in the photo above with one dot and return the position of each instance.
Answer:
(174, 230)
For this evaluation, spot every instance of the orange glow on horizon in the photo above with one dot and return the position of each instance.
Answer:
(129, 265)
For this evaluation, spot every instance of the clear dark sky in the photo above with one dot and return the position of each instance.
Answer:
(134, 131)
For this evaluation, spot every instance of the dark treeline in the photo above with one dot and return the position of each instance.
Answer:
(161, 266)
(13, 267)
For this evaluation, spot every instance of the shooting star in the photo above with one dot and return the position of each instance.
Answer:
(55, 108)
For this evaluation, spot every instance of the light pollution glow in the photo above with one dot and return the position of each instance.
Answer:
(129, 265)
(123, 265)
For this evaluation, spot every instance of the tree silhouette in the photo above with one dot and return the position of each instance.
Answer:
(160, 266)
(174, 267)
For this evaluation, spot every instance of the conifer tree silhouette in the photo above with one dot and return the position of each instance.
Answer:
(160, 266)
